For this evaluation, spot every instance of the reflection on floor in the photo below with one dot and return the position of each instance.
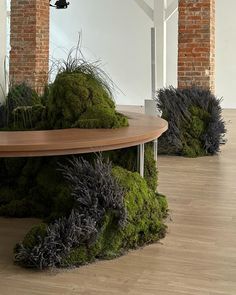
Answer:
(198, 256)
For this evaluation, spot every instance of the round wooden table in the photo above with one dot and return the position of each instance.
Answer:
(141, 129)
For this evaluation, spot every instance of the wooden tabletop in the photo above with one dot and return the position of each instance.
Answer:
(141, 129)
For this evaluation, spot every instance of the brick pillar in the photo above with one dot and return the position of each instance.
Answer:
(196, 48)
(29, 56)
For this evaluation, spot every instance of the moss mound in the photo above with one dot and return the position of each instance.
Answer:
(195, 122)
(79, 100)
(33, 187)
(79, 97)
(25, 189)
(94, 211)
(22, 110)
(101, 117)
(76, 99)
(127, 158)
(145, 212)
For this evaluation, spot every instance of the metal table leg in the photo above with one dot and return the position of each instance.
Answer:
(141, 159)
(155, 146)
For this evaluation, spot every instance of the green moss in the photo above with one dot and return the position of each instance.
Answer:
(34, 187)
(197, 126)
(76, 99)
(13, 166)
(28, 180)
(47, 177)
(17, 208)
(193, 148)
(195, 121)
(193, 131)
(28, 117)
(22, 108)
(198, 122)
(127, 158)
(150, 167)
(7, 194)
(101, 117)
(109, 244)
(78, 256)
(62, 204)
(145, 213)
(80, 100)
(36, 234)
(163, 204)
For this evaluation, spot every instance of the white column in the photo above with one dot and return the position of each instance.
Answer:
(160, 7)
(3, 45)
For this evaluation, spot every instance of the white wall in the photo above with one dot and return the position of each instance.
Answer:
(117, 32)
(226, 52)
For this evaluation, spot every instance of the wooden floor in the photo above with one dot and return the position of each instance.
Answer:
(198, 256)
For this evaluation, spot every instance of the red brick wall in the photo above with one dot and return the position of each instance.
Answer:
(29, 56)
(196, 48)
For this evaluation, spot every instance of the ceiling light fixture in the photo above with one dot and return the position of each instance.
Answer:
(60, 4)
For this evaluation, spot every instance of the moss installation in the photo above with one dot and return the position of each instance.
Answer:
(91, 207)
(114, 210)
(25, 189)
(73, 196)
(79, 97)
(195, 122)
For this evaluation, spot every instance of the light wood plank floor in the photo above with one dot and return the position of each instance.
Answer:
(198, 256)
